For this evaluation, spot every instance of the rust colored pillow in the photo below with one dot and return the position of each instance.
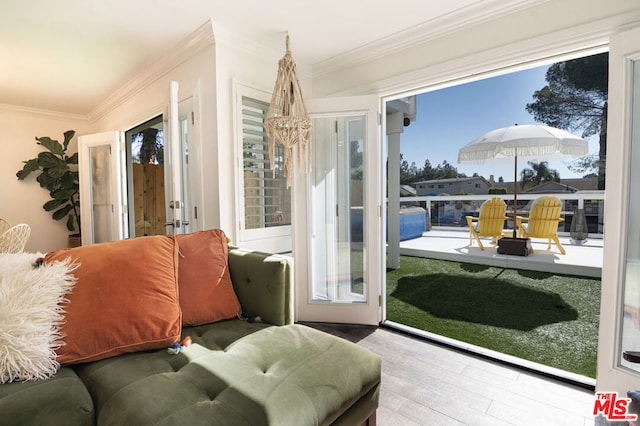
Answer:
(205, 289)
(125, 298)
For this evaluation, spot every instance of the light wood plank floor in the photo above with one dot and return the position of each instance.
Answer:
(424, 383)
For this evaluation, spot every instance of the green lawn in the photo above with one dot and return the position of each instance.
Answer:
(542, 317)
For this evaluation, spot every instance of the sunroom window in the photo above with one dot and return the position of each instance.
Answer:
(267, 201)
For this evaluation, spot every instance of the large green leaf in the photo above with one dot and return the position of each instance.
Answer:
(70, 179)
(57, 171)
(67, 138)
(29, 166)
(51, 144)
(53, 204)
(73, 159)
(63, 193)
(46, 181)
(47, 159)
(62, 213)
(71, 222)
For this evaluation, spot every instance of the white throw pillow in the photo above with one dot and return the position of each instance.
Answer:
(31, 313)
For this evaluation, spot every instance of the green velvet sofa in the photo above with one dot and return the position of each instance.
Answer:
(266, 371)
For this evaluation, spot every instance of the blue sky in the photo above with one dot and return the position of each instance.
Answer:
(447, 119)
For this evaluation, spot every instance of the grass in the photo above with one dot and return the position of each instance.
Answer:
(542, 317)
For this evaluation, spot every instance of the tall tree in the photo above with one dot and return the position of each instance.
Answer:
(538, 173)
(575, 98)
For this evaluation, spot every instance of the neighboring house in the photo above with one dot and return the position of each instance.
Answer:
(551, 187)
(565, 185)
(454, 186)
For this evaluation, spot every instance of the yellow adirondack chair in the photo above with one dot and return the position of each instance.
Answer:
(490, 223)
(543, 221)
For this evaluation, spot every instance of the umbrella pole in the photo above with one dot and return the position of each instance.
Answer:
(515, 192)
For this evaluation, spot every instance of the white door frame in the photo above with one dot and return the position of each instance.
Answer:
(117, 189)
(368, 312)
(612, 376)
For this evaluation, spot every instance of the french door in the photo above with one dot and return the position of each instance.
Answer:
(114, 204)
(620, 305)
(338, 232)
(100, 171)
(178, 204)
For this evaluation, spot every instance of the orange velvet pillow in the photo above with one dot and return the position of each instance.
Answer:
(125, 298)
(206, 292)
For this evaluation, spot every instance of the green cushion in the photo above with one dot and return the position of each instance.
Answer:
(289, 375)
(60, 400)
(262, 282)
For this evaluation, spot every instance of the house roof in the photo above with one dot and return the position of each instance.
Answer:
(453, 180)
(554, 187)
(565, 185)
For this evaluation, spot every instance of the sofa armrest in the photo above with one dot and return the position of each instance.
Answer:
(264, 285)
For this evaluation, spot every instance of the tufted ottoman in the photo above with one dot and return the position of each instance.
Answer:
(239, 373)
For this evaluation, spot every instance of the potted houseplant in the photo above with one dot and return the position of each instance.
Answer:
(58, 174)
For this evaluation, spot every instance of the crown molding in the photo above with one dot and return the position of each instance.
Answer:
(565, 44)
(43, 112)
(422, 33)
(183, 51)
(270, 48)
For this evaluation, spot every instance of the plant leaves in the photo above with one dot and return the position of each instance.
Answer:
(67, 138)
(58, 171)
(60, 214)
(73, 159)
(46, 181)
(71, 222)
(51, 144)
(70, 180)
(53, 204)
(63, 193)
(29, 166)
(47, 159)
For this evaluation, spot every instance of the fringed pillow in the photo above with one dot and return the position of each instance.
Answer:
(31, 314)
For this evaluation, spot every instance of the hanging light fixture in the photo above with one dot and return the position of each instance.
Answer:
(287, 120)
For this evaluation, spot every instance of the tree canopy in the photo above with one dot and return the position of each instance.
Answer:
(575, 99)
(410, 173)
(538, 173)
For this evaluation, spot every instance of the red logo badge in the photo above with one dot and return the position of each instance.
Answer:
(612, 406)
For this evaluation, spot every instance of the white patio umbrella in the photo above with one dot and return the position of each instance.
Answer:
(527, 140)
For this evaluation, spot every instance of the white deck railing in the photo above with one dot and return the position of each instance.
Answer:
(449, 211)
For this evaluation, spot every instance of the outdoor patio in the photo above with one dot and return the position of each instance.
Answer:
(581, 260)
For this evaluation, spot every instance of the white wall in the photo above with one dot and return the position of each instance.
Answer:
(229, 59)
(22, 200)
(211, 70)
(195, 77)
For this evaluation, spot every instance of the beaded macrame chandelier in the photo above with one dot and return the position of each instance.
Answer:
(287, 120)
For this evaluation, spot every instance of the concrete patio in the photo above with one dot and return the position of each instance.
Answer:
(582, 260)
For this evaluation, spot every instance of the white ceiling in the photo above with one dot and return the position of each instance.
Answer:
(69, 55)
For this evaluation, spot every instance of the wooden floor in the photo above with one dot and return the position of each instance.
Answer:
(425, 383)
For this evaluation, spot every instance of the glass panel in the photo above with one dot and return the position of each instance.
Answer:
(184, 150)
(102, 205)
(631, 318)
(145, 178)
(267, 200)
(338, 267)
